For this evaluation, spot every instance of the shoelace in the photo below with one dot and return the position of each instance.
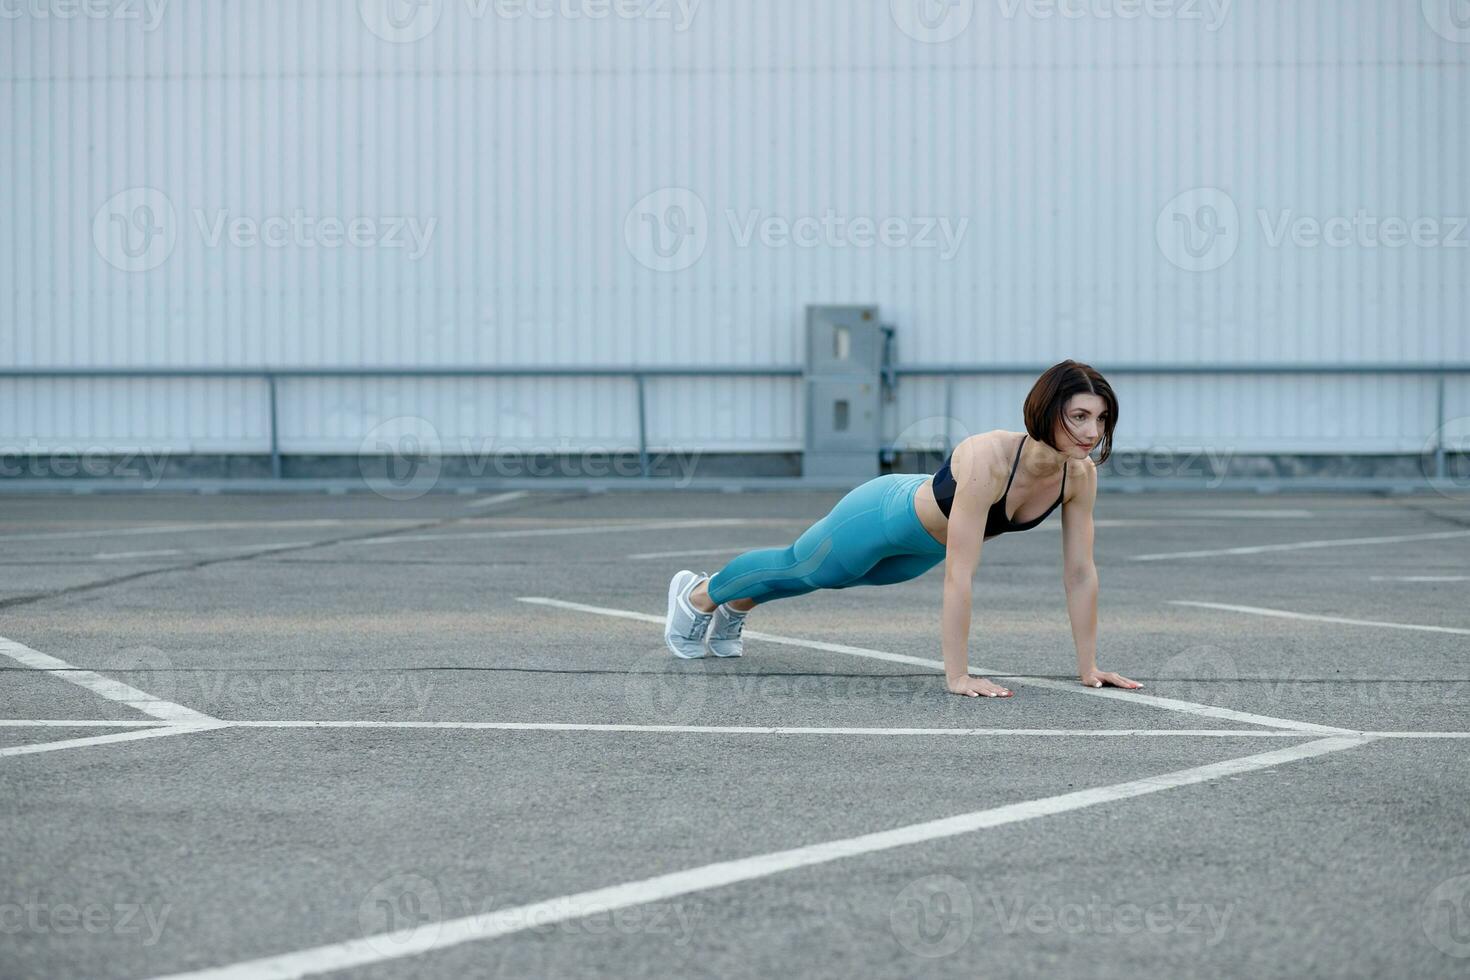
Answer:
(736, 620)
(698, 624)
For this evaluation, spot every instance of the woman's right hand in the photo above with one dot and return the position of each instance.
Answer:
(974, 687)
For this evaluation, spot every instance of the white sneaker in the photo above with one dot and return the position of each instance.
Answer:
(685, 626)
(723, 638)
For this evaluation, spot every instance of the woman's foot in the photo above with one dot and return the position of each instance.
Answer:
(684, 625)
(723, 637)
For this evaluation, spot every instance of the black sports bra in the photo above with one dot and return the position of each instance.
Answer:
(996, 521)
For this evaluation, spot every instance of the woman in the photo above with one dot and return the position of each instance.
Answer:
(898, 526)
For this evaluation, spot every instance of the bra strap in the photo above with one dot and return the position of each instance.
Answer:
(1014, 465)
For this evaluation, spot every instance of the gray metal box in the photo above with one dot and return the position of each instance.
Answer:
(844, 346)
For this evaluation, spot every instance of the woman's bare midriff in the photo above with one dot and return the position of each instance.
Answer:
(929, 513)
(927, 508)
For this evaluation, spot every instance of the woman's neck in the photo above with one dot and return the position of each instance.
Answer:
(1040, 461)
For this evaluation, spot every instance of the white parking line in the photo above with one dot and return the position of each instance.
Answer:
(528, 726)
(79, 723)
(1287, 614)
(97, 684)
(499, 498)
(1420, 578)
(160, 731)
(433, 937)
(552, 726)
(1168, 704)
(552, 531)
(1299, 545)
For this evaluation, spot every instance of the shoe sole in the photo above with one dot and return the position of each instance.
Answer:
(676, 585)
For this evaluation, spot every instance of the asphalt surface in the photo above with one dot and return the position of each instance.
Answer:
(187, 850)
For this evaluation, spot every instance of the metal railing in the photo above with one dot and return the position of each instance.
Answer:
(639, 375)
(270, 375)
(1439, 371)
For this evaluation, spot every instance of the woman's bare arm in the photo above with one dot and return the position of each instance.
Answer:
(974, 489)
(1079, 577)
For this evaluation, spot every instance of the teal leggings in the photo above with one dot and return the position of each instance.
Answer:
(872, 537)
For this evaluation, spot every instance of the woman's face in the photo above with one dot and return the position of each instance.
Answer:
(1081, 426)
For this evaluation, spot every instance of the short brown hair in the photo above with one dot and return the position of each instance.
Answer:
(1050, 393)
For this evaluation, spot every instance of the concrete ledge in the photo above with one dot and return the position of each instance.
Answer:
(1451, 489)
(399, 478)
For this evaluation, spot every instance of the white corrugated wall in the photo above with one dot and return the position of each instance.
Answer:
(1050, 136)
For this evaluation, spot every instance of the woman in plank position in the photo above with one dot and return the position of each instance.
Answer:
(898, 526)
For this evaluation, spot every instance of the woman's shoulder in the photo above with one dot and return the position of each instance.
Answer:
(1081, 477)
(983, 452)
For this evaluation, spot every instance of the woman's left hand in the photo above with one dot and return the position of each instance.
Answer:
(1097, 678)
